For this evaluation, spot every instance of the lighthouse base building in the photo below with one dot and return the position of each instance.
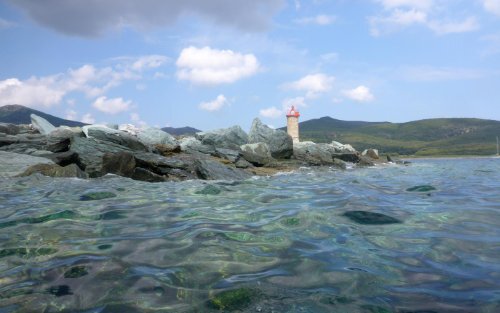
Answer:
(292, 124)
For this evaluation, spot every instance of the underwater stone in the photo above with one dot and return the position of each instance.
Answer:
(370, 218)
(209, 190)
(99, 195)
(59, 291)
(421, 188)
(76, 272)
(232, 300)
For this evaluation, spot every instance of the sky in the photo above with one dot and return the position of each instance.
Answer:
(217, 63)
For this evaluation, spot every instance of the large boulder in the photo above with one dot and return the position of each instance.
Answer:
(279, 142)
(341, 148)
(213, 170)
(153, 136)
(231, 155)
(258, 154)
(314, 154)
(13, 164)
(229, 138)
(59, 140)
(54, 170)
(121, 163)
(372, 153)
(193, 145)
(42, 125)
(90, 152)
(104, 133)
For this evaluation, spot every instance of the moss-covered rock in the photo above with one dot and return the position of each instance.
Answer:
(421, 188)
(370, 218)
(209, 190)
(235, 299)
(98, 195)
(76, 272)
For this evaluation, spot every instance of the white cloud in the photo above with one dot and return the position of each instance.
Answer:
(492, 6)
(88, 119)
(400, 14)
(297, 102)
(136, 119)
(321, 19)
(360, 94)
(313, 84)
(443, 28)
(208, 66)
(47, 91)
(331, 57)
(111, 106)
(148, 62)
(419, 4)
(272, 112)
(71, 115)
(94, 18)
(214, 105)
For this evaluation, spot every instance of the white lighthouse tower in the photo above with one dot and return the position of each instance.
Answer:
(292, 123)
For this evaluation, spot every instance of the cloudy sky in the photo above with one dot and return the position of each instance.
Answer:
(217, 63)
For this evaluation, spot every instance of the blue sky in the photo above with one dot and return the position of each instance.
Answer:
(218, 63)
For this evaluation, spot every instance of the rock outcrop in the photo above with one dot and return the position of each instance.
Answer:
(41, 124)
(258, 154)
(279, 142)
(14, 164)
(229, 138)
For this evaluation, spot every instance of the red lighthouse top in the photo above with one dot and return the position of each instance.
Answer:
(292, 112)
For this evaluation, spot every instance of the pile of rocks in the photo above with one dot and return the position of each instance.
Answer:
(150, 154)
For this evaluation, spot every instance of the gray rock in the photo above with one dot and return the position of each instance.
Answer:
(372, 153)
(13, 164)
(54, 170)
(242, 163)
(365, 161)
(166, 149)
(22, 143)
(193, 145)
(153, 136)
(90, 152)
(9, 129)
(213, 170)
(341, 148)
(115, 136)
(121, 163)
(59, 140)
(257, 153)
(228, 154)
(146, 175)
(159, 164)
(229, 138)
(339, 164)
(314, 154)
(42, 125)
(279, 142)
(63, 158)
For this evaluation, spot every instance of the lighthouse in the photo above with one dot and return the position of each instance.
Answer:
(292, 124)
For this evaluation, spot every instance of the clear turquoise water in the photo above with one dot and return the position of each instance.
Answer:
(166, 248)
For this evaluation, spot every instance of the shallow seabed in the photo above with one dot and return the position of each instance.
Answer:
(278, 244)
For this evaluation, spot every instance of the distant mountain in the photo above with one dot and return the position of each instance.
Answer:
(18, 114)
(443, 136)
(181, 130)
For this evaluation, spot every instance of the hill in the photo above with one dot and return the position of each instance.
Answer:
(181, 131)
(18, 114)
(443, 136)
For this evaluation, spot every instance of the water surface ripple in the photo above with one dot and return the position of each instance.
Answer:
(168, 247)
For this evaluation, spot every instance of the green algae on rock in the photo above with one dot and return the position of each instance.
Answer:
(370, 218)
(232, 300)
(209, 190)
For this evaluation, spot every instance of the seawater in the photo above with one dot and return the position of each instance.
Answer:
(281, 243)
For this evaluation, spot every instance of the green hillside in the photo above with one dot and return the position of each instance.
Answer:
(444, 136)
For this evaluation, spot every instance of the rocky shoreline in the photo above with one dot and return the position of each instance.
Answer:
(152, 155)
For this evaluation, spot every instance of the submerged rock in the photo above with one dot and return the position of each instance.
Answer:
(233, 300)
(279, 142)
(421, 188)
(370, 218)
(76, 272)
(97, 195)
(209, 190)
